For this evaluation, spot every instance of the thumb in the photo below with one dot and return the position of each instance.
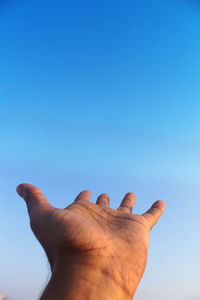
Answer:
(33, 197)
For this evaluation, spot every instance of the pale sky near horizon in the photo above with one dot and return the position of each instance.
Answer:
(102, 96)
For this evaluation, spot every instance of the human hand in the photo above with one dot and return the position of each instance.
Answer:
(91, 246)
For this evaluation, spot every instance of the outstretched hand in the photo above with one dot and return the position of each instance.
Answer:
(87, 238)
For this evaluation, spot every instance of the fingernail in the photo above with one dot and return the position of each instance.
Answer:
(21, 190)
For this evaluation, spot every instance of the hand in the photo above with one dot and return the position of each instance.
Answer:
(100, 249)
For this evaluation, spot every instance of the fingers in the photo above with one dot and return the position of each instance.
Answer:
(153, 214)
(32, 196)
(83, 196)
(103, 200)
(127, 203)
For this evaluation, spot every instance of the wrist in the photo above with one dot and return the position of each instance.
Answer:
(72, 278)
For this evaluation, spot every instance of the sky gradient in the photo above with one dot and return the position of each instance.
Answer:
(102, 96)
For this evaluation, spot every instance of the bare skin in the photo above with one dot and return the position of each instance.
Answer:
(95, 252)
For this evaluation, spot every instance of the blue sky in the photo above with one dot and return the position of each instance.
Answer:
(102, 96)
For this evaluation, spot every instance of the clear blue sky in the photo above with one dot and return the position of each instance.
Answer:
(102, 95)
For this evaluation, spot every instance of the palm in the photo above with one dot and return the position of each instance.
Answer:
(114, 235)
(94, 231)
